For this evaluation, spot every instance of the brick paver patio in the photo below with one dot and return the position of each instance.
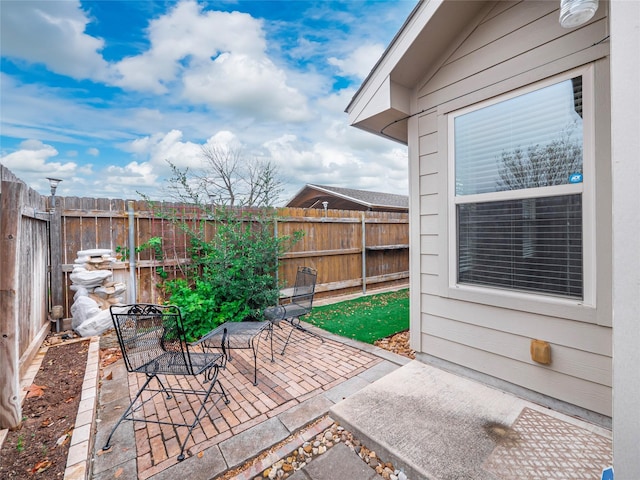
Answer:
(308, 368)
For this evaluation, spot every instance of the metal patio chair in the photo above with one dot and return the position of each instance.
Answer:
(152, 340)
(299, 304)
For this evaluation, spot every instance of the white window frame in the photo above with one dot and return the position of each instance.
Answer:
(513, 298)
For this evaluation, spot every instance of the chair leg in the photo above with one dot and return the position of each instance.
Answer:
(214, 379)
(271, 335)
(254, 348)
(107, 445)
(295, 325)
(211, 376)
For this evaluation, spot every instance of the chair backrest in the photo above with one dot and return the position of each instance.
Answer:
(305, 287)
(146, 332)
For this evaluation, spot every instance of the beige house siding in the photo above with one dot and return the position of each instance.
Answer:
(508, 46)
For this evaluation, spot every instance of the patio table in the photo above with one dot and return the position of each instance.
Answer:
(240, 335)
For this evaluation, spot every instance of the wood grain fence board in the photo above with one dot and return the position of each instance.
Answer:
(332, 244)
(10, 408)
(23, 289)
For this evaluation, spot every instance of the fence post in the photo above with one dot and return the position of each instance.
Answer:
(364, 255)
(10, 216)
(132, 288)
(55, 254)
(275, 236)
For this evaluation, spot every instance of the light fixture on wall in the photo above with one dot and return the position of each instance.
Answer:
(574, 13)
(325, 205)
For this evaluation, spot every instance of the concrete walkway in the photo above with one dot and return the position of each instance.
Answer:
(432, 424)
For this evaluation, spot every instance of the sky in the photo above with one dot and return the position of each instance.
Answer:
(103, 94)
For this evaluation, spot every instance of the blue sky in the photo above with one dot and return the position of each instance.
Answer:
(102, 93)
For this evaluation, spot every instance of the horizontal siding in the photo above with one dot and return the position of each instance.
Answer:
(529, 60)
(430, 284)
(514, 44)
(576, 391)
(583, 336)
(429, 264)
(429, 143)
(429, 224)
(568, 361)
(429, 204)
(429, 184)
(428, 164)
(507, 22)
(429, 244)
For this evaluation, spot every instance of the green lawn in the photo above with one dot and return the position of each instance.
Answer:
(366, 319)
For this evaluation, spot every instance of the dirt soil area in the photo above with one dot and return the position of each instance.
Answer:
(38, 449)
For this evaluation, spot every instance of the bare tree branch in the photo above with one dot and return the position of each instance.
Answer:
(227, 178)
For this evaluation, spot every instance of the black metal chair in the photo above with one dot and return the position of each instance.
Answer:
(152, 340)
(299, 304)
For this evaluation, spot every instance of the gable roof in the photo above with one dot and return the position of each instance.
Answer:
(312, 196)
(382, 103)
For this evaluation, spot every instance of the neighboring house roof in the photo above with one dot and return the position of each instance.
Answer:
(312, 196)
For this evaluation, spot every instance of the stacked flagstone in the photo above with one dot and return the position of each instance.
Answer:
(94, 291)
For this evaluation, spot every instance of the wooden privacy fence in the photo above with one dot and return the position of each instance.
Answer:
(24, 260)
(352, 251)
(38, 247)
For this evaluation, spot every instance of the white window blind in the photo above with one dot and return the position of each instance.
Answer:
(533, 241)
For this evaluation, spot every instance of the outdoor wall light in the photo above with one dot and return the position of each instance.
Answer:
(53, 182)
(325, 204)
(574, 13)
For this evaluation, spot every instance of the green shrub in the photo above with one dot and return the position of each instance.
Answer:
(232, 276)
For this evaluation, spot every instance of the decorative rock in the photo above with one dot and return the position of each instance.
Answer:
(95, 325)
(95, 291)
(95, 252)
(90, 279)
(299, 458)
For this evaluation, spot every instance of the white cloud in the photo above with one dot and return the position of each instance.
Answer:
(133, 174)
(215, 58)
(32, 163)
(359, 62)
(52, 33)
(161, 148)
(94, 152)
(253, 86)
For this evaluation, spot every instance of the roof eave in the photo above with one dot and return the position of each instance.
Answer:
(384, 98)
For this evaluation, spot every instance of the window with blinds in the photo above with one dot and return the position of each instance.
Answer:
(518, 192)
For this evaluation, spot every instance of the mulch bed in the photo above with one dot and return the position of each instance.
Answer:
(39, 447)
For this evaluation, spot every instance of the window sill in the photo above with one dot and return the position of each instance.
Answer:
(539, 304)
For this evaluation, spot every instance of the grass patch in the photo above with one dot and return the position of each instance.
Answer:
(366, 319)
